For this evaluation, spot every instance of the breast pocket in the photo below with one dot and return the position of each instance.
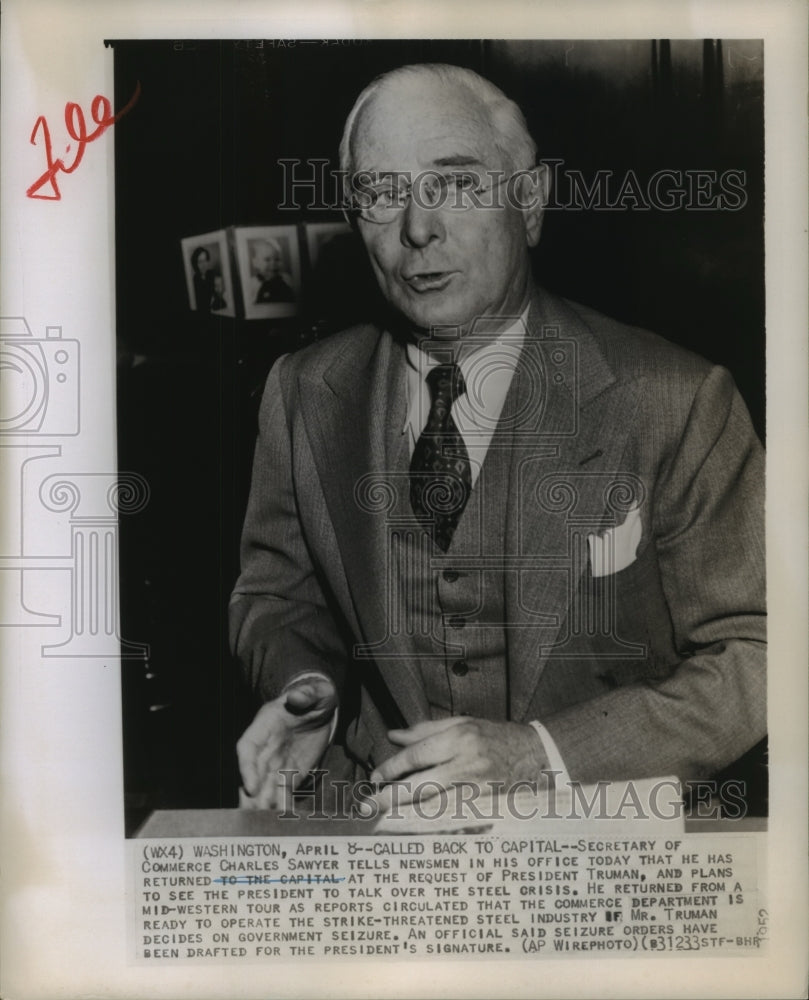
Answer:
(631, 622)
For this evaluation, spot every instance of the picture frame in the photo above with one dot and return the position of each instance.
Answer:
(268, 262)
(208, 275)
(319, 235)
(339, 279)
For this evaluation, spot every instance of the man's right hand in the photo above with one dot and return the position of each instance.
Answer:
(290, 733)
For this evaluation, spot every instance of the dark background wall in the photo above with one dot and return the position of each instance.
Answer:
(200, 151)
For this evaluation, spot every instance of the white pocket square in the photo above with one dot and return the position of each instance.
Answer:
(617, 547)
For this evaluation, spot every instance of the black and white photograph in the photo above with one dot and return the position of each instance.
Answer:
(339, 284)
(207, 273)
(414, 579)
(544, 581)
(325, 240)
(269, 270)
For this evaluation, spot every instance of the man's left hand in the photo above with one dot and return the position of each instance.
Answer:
(459, 749)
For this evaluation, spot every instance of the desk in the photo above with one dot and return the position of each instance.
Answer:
(257, 823)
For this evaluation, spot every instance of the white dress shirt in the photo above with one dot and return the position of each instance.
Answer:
(487, 374)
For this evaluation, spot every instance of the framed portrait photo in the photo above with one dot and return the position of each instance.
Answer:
(269, 264)
(208, 274)
(339, 281)
(323, 238)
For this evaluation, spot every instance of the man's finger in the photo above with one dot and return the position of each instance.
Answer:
(246, 800)
(425, 753)
(247, 752)
(421, 730)
(310, 696)
(421, 787)
(266, 762)
(247, 767)
(299, 700)
(270, 794)
(250, 745)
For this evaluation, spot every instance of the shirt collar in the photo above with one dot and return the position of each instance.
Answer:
(487, 374)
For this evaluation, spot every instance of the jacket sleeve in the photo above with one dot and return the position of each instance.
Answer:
(708, 530)
(280, 622)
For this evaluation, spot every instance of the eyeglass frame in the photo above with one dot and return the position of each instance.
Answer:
(352, 212)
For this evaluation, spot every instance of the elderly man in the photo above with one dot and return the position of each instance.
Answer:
(498, 535)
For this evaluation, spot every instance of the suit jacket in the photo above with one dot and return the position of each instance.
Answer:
(655, 667)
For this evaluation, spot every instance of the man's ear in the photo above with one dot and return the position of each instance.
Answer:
(533, 190)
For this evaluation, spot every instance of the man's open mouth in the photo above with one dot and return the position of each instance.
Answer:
(430, 281)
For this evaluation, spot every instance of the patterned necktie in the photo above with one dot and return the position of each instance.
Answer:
(440, 475)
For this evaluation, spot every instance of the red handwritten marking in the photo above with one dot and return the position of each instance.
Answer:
(76, 124)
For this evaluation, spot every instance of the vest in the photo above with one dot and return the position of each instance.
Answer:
(447, 609)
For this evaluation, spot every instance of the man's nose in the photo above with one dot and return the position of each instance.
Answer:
(420, 223)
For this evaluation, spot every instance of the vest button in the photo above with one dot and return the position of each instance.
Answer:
(460, 668)
(451, 575)
(456, 621)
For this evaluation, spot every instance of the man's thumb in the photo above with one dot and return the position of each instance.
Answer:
(310, 697)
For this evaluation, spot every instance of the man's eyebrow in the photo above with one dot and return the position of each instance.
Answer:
(458, 161)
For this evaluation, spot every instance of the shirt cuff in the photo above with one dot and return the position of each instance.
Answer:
(557, 765)
(305, 677)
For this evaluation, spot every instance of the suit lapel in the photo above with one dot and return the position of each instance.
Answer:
(348, 411)
(562, 463)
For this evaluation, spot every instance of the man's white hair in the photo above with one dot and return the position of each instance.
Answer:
(512, 139)
(266, 243)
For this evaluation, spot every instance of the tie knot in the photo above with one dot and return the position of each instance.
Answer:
(446, 384)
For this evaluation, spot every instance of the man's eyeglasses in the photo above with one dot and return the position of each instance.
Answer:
(381, 198)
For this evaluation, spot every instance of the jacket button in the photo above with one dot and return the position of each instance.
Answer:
(460, 668)
(451, 575)
(456, 621)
